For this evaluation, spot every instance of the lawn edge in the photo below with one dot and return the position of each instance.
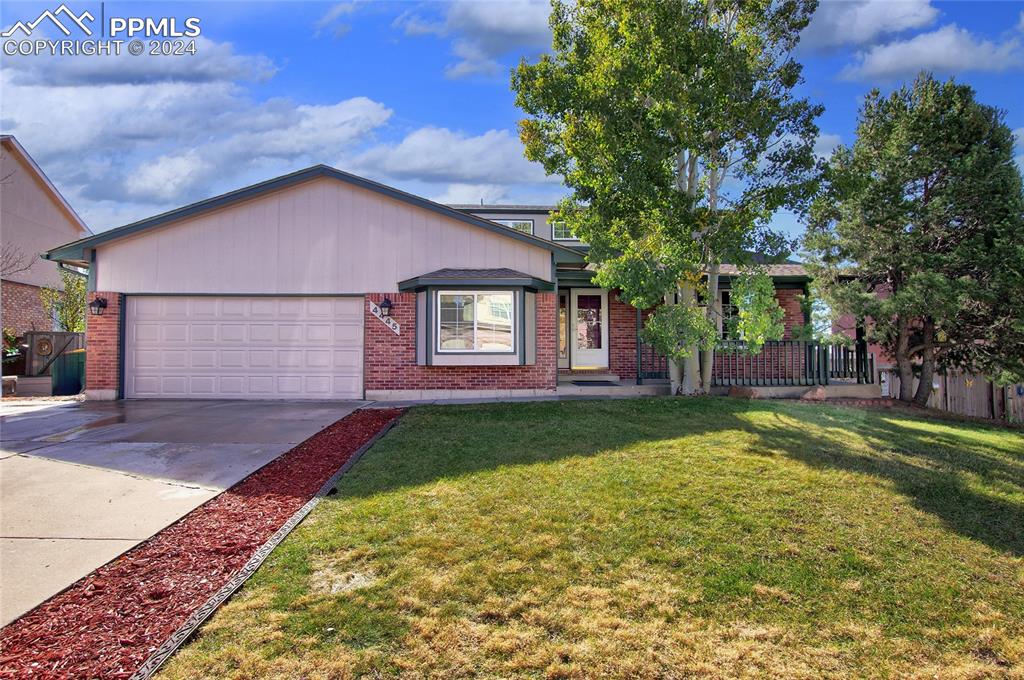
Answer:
(196, 619)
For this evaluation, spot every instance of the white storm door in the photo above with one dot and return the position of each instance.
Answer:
(208, 347)
(588, 328)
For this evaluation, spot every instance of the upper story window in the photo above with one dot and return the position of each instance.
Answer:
(560, 231)
(476, 321)
(525, 226)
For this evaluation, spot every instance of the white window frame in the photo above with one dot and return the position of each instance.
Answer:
(437, 329)
(508, 223)
(559, 238)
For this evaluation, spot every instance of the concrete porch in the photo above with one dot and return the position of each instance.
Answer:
(604, 384)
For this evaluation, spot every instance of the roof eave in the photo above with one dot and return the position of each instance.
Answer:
(420, 282)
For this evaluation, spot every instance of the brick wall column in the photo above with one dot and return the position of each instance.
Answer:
(621, 337)
(103, 349)
(793, 313)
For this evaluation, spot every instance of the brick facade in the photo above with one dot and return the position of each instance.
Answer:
(621, 337)
(103, 349)
(22, 309)
(789, 300)
(390, 360)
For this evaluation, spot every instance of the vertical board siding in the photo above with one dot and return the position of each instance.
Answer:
(322, 236)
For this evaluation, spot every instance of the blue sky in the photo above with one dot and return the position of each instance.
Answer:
(412, 94)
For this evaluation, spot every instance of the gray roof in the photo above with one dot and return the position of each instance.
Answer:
(499, 273)
(476, 277)
(497, 208)
(774, 270)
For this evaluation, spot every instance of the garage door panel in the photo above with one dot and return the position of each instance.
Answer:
(174, 358)
(262, 333)
(232, 332)
(237, 347)
(173, 332)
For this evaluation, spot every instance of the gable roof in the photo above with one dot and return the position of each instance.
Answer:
(75, 251)
(11, 143)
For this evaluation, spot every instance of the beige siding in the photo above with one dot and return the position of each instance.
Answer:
(32, 219)
(322, 236)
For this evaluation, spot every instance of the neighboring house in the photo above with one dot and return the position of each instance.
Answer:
(34, 217)
(277, 291)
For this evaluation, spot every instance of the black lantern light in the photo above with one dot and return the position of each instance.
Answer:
(97, 306)
(385, 307)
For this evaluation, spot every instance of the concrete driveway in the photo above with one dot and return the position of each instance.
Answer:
(80, 483)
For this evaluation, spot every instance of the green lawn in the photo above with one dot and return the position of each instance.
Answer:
(647, 538)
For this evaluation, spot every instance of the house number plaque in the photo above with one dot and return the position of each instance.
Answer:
(395, 327)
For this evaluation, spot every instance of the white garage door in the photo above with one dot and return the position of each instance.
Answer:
(244, 347)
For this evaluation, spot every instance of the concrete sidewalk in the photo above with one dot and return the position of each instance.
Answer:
(80, 483)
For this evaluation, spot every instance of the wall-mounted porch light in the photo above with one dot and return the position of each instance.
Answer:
(97, 306)
(385, 307)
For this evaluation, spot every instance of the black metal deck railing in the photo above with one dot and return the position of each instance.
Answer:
(779, 363)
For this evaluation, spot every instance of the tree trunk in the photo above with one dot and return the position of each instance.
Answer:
(906, 369)
(924, 388)
(690, 383)
(675, 368)
(707, 357)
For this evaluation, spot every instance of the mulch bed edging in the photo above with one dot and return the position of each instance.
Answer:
(127, 617)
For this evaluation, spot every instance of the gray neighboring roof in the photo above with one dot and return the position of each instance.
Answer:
(788, 269)
(496, 208)
(75, 251)
(475, 277)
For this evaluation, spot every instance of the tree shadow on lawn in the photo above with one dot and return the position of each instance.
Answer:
(929, 466)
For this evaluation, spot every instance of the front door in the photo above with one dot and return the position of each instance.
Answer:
(588, 328)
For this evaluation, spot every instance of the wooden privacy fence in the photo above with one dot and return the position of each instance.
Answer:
(968, 394)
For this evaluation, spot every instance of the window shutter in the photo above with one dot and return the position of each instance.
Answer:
(530, 328)
(422, 328)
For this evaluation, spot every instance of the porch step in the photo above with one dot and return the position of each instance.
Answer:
(584, 376)
(627, 388)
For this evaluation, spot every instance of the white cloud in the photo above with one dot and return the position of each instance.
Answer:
(441, 155)
(859, 22)
(331, 22)
(123, 148)
(212, 62)
(947, 50)
(127, 139)
(825, 144)
(460, 192)
(1018, 135)
(484, 32)
(311, 135)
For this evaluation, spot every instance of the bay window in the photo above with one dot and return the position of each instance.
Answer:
(476, 321)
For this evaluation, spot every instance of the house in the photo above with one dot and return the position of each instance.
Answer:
(325, 285)
(34, 217)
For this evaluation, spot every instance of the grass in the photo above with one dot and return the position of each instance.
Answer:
(647, 538)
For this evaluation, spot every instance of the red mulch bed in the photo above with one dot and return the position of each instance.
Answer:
(108, 623)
